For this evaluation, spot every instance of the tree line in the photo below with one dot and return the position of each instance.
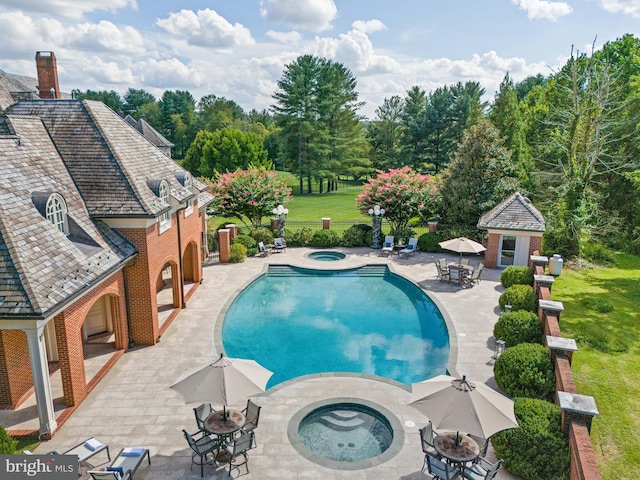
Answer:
(568, 140)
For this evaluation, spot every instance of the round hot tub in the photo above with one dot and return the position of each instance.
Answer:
(345, 435)
(327, 256)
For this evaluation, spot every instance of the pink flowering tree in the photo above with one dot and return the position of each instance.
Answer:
(403, 193)
(249, 193)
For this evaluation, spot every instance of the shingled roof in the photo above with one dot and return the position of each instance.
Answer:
(147, 131)
(515, 213)
(110, 163)
(41, 268)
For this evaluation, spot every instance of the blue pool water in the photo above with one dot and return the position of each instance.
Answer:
(297, 321)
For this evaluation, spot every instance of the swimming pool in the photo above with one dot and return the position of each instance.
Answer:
(297, 321)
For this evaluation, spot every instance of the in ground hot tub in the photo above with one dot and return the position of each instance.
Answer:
(327, 256)
(344, 435)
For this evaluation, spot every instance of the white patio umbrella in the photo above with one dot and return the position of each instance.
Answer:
(462, 406)
(224, 382)
(462, 245)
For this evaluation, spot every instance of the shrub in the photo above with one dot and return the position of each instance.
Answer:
(428, 242)
(536, 449)
(518, 327)
(354, 236)
(8, 444)
(597, 253)
(248, 242)
(402, 233)
(263, 235)
(520, 297)
(516, 275)
(526, 371)
(237, 253)
(325, 239)
(299, 238)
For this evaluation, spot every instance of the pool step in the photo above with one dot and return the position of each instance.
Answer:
(343, 422)
(291, 271)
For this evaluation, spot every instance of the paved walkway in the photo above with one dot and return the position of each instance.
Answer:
(133, 405)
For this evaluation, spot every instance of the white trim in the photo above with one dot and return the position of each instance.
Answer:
(521, 233)
(56, 212)
(130, 222)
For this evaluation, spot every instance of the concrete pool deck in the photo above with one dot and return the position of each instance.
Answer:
(133, 405)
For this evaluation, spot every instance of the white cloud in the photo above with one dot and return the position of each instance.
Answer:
(313, 15)
(368, 26)
(168, 74)
(628, 7)
(108, 73)
(292, 38)
(105, 37)
(206, 29)
(69, 8)
(544, 9)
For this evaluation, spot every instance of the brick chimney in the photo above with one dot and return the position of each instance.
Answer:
(47, 75)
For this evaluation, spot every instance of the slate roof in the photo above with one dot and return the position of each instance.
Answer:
(41, 268)
(515, 213)
(147, 131)
(14, 87)
(110, 163)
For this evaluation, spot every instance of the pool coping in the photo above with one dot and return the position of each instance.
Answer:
(453, 337)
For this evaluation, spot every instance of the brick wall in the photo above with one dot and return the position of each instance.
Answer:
(15, 367)
(491, 254)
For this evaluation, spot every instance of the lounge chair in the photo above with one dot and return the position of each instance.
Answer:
(263, 250)
(279, 245)
(441, 470)
(387, 246)
(483, 470)
(124, 466)
(411, 248)
(88, 449)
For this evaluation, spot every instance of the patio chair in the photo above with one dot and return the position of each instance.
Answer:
(475, 275)
(124, 466)
(240, 446)
(442, 275)
(263, 251)
(455, 275)
(201, 449)
(411, 248)
(252, 415)
(202, 412)
(387, 246)
(426, 437)
(483, 470)
(279, 245)
(484, 446)
(440, 470)
(464, 261)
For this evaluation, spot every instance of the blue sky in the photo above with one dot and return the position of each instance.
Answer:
(238, 48)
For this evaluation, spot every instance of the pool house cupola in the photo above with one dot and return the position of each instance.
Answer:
(515, 228)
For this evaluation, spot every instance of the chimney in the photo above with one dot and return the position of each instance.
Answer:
(47, 75)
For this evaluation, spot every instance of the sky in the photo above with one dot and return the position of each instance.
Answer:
(238, 49)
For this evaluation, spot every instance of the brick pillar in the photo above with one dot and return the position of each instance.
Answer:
(69, 340)
(274, 224)
(326, 223)
(491, 254)
(224, 241)
(15, 367)
(233, 231)
(433, 227)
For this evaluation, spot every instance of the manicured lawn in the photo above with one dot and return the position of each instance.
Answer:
(602, 312)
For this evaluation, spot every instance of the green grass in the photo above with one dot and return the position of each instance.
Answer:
(602, 312)
(26, 443)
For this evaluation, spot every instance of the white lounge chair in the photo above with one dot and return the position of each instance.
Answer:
(387, 246)
(411, 248)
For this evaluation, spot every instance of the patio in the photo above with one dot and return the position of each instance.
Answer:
(133, 405)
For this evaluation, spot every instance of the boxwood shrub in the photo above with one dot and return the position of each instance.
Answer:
(299, 238)
(520, 297)
(237, 253)
(325, 239)
(355, 236)
(526, 371)
(518, 327)
(428, 242)
(536, 449)
(249, 242)
(263, 235)
(516, 275)
(8, 444)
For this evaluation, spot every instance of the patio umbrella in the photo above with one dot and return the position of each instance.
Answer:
(462, 245)
(462, 406)
(224, 382)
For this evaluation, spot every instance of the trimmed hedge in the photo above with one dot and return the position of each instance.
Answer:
(237, 253)
(526, 371)
(299, 238)
(8, 444)
(325, 239)
(518, 327)
(520, 297)
(428, 242)
(355, 236)
(516, 275)
(536, 449)
(263, 235)
(248, 242)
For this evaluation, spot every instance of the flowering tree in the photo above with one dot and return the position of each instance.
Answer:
(249, 193)
(403, 194)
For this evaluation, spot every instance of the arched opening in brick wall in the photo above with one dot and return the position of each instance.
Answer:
(167, 291)
(191, 265)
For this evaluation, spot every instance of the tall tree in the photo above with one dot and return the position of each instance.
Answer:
(385, 134)
(413, 132)
(218, 112)
(178, 119)
(111, 98)
(134, 99)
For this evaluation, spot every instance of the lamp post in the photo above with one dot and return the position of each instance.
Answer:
(281, 213)
(376, 214)
(499, 349)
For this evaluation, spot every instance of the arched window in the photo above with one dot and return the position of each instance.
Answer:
(165, 218)
(57, 212)
(188, 183)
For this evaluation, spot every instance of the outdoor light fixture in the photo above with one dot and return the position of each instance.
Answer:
(376, 224)
(499, 349)
(281, 212)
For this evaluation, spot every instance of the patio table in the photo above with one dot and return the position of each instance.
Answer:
(446, 445)
(224, 428)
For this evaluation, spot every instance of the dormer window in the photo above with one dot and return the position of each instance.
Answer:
(188, 184)
(165, 218)
(53, 207)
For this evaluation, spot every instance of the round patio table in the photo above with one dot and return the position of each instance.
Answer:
(216, 425)
(446, 445)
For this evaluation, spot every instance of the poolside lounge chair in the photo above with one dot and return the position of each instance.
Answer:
(439, 469)
(124, 466)
(88, 449)
(411, 248)
(483, 470)
(279, 245)
(263, 251)
(387, 246)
